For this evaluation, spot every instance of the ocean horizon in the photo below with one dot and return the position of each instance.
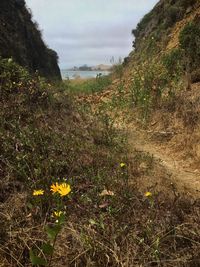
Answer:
(71, 74)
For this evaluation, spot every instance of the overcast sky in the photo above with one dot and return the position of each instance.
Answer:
(89, 31)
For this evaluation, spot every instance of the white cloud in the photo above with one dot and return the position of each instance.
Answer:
(89, 31)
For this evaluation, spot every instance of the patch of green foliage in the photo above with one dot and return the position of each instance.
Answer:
(173, 14)
(29, 126)
(189, 40)
(142, 24)
(45, 139)
(88, 86)
(173, 62)
(156, 81)
(148, 83)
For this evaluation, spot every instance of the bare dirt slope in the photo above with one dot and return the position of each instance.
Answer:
(185, 180)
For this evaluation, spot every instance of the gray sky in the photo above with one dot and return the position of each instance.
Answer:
(89, 31)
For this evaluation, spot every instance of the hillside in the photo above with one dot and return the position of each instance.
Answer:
(158, 86)
(162, 75)
(105, 172)
(161, 20)
(21, 39)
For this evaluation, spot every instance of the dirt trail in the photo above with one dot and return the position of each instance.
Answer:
(185, 180)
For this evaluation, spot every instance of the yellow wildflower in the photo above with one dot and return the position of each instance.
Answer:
(122, 164)
(38, 192)
(54, 188)
(64, 189)
(148, 194)
(57, 213)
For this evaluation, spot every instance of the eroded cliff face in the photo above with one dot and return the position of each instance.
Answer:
(21, 39)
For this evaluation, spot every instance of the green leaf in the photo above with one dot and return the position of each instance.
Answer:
(52, 232)
(61, 219)
(47, 248)
(35, 260)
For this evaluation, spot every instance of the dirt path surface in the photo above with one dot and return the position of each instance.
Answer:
(185, 180)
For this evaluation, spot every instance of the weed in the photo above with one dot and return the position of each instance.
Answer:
(57, 211)
(173, 62)
(147, 87)
(92, 85)
(189, 39)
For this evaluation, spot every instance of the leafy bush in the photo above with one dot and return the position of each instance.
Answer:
(189, 39)
(173, 62)
(149, 81)
(44, 141)
(142, 24)
(173, 14)
(26, 135)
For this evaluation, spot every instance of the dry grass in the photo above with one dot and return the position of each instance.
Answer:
(180, 117)
(122, 228)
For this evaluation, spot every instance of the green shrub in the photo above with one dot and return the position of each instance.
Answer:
(142, 24)
(28, 140)
(149, 81)
(189, 39)
(173, 62)
(173, 14)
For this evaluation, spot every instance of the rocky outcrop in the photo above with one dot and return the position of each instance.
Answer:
(21, 39)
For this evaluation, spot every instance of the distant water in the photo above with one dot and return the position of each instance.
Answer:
(81, 74)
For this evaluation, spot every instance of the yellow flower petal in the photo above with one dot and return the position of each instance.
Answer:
(54, 188)
(64, 189)
(122, 164)
(148, 194)
(38, 192)
(58, 213)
